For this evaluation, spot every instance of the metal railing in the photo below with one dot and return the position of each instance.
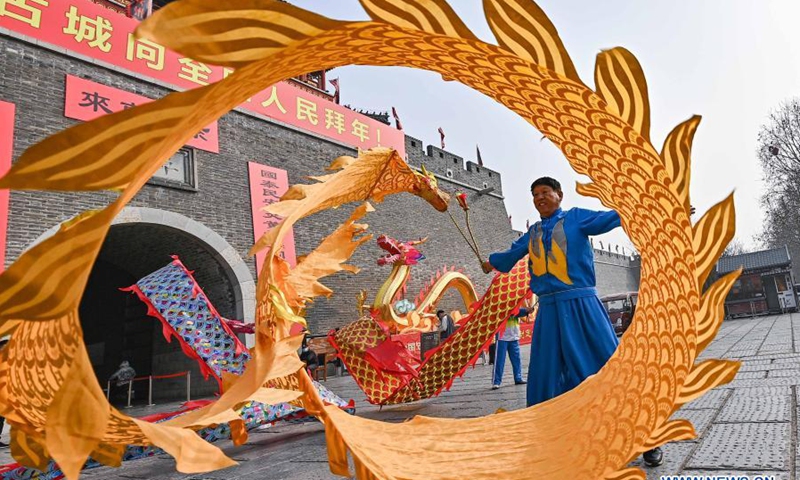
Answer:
(150, 379)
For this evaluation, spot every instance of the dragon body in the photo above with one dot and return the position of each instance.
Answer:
(603, 130)
(419, 315)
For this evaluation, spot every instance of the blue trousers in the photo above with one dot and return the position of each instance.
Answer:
(572, 340)
(512, 347)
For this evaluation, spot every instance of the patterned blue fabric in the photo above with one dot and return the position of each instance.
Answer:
(255, 414)
(174, 294)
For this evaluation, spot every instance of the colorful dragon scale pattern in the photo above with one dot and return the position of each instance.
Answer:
(174, 298)
(441, 365)
(351, 342)
(592, 431)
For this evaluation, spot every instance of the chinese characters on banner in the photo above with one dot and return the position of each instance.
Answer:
(412, 341)
(525, 333)
(93, 31)
(267, 185)
(86, 100)
(6, 144)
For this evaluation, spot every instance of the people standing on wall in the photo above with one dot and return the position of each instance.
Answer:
(573, 337)
(508, 341)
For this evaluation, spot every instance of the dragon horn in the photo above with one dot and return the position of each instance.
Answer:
(424, 171)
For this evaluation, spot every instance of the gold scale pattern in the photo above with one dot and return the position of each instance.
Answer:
(590, 432)
(504, 294)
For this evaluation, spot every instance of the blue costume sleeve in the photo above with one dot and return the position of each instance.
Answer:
(596, 223)
(505, 261)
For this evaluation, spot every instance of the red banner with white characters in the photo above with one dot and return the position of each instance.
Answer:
(6, 147)
(267, 185)
(525, 333)
(87, 100)
(412, 341)
(88, 29)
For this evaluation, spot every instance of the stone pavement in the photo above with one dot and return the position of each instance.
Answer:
(748, 427)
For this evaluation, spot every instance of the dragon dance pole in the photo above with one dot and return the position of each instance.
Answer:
(464, 236)
(462, 202)
(475, 242)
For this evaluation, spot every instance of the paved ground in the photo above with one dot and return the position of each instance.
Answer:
(748, 427)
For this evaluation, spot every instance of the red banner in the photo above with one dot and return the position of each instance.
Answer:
(412, 341)
(267, 185)
(525, 333)
(6, 148)
(93, 31)
(87, 100)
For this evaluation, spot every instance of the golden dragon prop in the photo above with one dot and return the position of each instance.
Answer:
(57, 410)
(402, 256)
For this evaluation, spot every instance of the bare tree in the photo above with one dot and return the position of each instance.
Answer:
(736, 247)
(779, 155)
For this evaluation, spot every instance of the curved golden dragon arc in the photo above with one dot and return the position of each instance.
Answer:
(590, 432)
(400, 258)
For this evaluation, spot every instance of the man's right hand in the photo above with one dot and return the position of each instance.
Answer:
(487, 267)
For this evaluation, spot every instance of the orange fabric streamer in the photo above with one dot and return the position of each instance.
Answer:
(604, 132)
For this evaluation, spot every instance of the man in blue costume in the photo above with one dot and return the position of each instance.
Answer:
(572, 336)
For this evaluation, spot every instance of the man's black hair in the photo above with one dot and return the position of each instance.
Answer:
(439, 312)
(546, 181)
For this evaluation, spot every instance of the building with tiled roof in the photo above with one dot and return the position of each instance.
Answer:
(766, 284)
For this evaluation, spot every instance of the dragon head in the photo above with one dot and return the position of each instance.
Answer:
(399, 253)
(427, 188)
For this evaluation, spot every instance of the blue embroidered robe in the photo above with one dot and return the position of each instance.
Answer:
(572, 336)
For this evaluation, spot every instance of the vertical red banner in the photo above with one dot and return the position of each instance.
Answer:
(6, 146)
(267, 185)
(525, 333)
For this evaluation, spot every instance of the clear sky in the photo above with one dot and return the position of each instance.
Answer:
(731, 61)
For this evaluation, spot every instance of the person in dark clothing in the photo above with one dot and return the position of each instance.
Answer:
(446, 325)
(308, 356)
(124, 374)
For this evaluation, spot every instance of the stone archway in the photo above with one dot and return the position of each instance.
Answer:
(245, 289)
(116, 325)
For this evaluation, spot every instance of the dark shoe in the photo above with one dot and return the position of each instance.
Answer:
(495, 387)
(521, 382)
(653, 458)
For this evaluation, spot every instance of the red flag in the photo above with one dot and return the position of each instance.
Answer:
(441, 134)
(397, 119)
(335, 83)
(480, 160)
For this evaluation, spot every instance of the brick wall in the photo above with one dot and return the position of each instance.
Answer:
(615, 273)
(33, 78)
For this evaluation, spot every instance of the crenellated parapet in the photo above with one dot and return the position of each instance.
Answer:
(449, 166)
